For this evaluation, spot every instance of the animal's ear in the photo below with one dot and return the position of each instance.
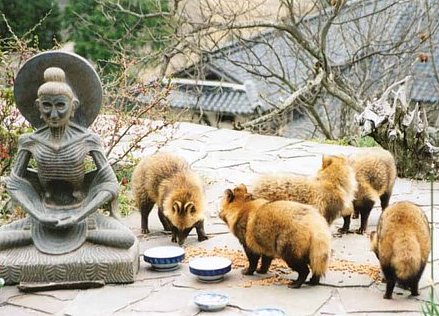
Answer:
(326, 161)
(243, 188)
(189, 207)
(248, 197)
(176, 206)
(228, 194)
(240, 190)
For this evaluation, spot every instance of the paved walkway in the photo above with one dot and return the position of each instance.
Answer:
(226, 158)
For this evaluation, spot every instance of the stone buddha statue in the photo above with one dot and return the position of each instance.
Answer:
(60, 198)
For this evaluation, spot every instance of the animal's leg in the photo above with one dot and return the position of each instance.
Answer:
(385, 198)
(364, 207)
(145, 209)
(389, 274)
(199, 226)
(315, 280)
(253, 259)
(302, 268)
(165, 222)
(265, 264)
(346, 224)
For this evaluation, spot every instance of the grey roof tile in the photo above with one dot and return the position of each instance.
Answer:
(224, 99)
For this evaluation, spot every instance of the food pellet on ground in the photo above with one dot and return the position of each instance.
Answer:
(279, 267)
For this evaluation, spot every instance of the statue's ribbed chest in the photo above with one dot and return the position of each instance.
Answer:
(65, 163)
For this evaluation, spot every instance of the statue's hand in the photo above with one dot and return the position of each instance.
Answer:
(49, 221)
(67, 222)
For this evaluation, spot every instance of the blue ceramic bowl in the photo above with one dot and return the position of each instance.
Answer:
(210, 269)
(211, 302)
(164, 258)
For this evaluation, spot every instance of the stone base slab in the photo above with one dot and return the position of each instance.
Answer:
(89, 263)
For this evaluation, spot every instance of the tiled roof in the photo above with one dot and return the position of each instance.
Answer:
(227, 98)
(425, 86)
(266, 60)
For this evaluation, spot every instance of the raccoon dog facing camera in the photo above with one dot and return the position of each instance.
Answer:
(168, 181)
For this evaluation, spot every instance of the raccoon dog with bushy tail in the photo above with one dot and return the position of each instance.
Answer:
(168, 181)
(295, 232)
(402, 245)
(331, 191)
(375, 172)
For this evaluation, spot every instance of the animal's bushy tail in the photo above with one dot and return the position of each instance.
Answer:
(406, 258)
(319, 253)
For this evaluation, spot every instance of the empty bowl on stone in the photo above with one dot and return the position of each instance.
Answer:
(211, 302)
(268, 312)
(210, 269)
(165, 258)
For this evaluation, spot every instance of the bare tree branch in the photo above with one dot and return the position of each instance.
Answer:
(289, 102)
(122, 9)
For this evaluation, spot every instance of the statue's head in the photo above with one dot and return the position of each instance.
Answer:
(58, 73)
(56, 100)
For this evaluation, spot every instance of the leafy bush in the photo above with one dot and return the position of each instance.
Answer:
(357, 141)
(12, 126)
(102, 30)
(37, 22)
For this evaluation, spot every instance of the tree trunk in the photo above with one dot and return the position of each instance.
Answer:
(402, 131)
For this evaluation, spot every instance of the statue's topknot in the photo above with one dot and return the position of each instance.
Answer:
(55, 83)
(54, 74)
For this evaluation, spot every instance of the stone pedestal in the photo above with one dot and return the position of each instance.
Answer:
(89, 263)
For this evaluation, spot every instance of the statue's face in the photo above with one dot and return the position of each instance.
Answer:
(55, 110)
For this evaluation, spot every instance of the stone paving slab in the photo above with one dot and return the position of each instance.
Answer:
(225, 158)
(426, 280)
(170, 300)
(9, 310)
(62, 295)
(333, 305)
(346, 279)
(38, 302)
(7, 293)
(353, 247)
(106, 300)
(304, 301)
(369, 300)
(299, 166)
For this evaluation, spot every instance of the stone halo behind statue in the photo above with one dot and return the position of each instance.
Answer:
(80, 75)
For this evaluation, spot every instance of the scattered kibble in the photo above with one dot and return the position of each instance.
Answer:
(279, 267)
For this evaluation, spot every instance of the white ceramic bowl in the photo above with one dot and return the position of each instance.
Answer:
(210, 269)
(211, 302)
(164, 258)
(268, 312)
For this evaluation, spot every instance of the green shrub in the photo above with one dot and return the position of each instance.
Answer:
(36, 22)
(101, 30)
